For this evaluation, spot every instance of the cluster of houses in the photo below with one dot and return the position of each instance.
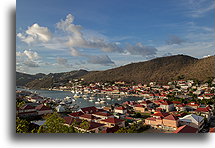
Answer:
(163, 113)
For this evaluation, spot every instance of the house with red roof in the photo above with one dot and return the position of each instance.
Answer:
(167, 105)
(89, 117)
(111, 122)
(186, 129)
(212, 130)
(70, 120)
(204, 111)
(154, 122)
(89, 110)
(110, 129)
(120, 109)
(76, 114)
(26, 111)
(170, 122)
(43, 110)
(139, 108)
(102, 115)
(93, 127)
(192, 106)
(180, 107)
(147, 103)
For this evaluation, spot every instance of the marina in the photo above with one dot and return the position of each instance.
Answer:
(83, 100)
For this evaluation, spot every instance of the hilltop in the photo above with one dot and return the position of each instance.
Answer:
(161, 70)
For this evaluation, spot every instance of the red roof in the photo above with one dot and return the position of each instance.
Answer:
(151, 118)
(212, 130)
(42, 107)
(76, 114)
(192, 104)
(111, 130)
(160, 114)
(112, 120)
(171, 117)
(102, 114)
(89, 116)
(201, 109)
(166, 102)
(180, 105)
(120, 108)
(146, 102)
(90, 109)
(95, 125)
(69, 120)
(138, 105)
(186, 129)
(176, 102)
(26, 107)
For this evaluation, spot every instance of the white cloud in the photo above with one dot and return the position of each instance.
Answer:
(199, 8)
(35, 33)
(27, 58)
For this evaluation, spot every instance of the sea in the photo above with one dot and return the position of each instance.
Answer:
(81, 102)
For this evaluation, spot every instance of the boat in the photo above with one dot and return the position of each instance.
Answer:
(108, 98)
(76, 96)
(91, 100)
(97, 102)
(86, 98)
(102, 99)
(119, 99)
(102, 102)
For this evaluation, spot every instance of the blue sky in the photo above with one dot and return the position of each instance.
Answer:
(66, 35)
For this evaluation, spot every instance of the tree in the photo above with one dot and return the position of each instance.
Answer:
(55, 124)
(22, 126)
(85, 125)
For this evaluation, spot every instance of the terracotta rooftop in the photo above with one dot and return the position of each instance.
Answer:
(102, 114)
(112, 120)
(89, 116)
(42, 107)
(202, 109)
(76, 114)
(160, 114)
(186, 129)
(25, 107)
(171, 117)
(69, 120)
(90, 109)
(120, 108)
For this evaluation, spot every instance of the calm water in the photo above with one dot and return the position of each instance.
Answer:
(80, 101)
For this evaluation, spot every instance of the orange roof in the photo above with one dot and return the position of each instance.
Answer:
(171, 117)
(120, 108)
(160, 114)
(186, 129)
(112, 120)
(212, 130)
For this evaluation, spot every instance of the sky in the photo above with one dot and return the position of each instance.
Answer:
(64, 35)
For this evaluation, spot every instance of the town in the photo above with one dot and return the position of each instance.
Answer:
(180, 106)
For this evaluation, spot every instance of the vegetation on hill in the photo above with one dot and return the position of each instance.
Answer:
(22, 79)
(161, 70)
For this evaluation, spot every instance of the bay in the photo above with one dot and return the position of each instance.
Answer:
(81, 102)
